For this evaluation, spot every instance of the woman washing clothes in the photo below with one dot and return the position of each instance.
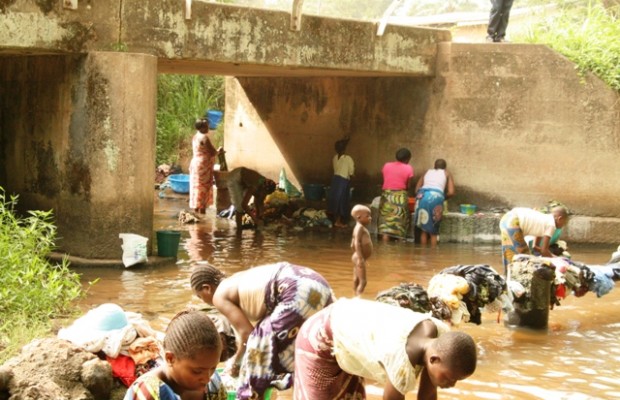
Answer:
(344, 168)
(394, 209)
(266, 305)
(432, 190)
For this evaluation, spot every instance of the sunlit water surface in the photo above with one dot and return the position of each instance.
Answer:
(577, 358)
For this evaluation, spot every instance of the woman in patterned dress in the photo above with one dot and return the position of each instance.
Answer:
(266, 305)
(201, 168)
(394, 209)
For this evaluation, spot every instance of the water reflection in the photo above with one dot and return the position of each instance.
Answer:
(577, 358)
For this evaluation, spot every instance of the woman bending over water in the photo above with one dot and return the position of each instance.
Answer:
(267, 305)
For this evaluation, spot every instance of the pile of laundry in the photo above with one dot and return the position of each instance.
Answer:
(122, 338)
(307, 217)
(567, 277)
(164, 170)
(456, 294)
(482, 287)
(188, 217)
(406, 295)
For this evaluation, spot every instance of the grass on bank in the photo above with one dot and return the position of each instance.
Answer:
(587, 33)
(33, 291)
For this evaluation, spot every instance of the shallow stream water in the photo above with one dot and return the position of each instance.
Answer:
(578, 357)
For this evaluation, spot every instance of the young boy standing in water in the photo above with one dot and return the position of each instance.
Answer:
(361, 245)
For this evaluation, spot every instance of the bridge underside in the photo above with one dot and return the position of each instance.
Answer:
(77, 126)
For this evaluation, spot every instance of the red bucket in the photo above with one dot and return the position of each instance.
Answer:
(411, 204)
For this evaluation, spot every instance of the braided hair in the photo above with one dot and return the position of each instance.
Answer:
(205, 275)
(190, 332)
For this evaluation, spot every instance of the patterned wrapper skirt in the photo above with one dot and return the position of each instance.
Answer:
(201, 182)
(317, 374)
(513, 240)
(338, 204)
(294, 294)
(429, 210)
(394, 213)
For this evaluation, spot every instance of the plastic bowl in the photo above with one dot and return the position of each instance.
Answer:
(179, 183)
(468, 209)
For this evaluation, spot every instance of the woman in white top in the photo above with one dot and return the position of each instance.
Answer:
(266, 305)
(354, 339)
(432, 190)
(339, 190)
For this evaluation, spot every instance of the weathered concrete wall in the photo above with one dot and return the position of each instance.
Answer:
(519, 127)
(78, 137)
(293, 123)
(516, 124)
(219, 38)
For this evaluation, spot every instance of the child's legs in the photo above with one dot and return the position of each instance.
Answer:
(433, 240)
(423, 238)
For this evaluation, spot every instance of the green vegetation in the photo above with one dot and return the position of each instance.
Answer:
(32, 290)
(180, 100)
(588, 34)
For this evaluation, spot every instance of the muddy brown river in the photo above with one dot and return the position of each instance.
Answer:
(577, 358)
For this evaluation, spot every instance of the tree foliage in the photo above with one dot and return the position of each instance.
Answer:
(588, 34)
(180, 100)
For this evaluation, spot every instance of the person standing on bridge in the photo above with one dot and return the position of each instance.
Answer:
(201, 168)
(498, 20)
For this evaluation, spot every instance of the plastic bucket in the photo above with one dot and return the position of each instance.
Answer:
(411, 204)
(168, 243)
(214, 117)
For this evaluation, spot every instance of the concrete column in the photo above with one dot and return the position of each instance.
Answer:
(80, 140)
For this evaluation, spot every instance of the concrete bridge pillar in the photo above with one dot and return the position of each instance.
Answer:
(78, 137)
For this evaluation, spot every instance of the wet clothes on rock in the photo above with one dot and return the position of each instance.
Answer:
(485, 286)
(518, 223)
(291, 295)
(339, 190)
(406, 295)
(201, 172)
(338, 348)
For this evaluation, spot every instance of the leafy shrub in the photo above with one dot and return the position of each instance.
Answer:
(33, 291)
(587, 34)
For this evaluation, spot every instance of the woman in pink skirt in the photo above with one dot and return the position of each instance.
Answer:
(201, 168)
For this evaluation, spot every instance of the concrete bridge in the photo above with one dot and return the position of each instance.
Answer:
(78, 100)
